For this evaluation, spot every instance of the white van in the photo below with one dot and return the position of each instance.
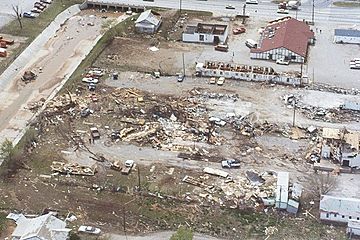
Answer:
(252, 2)
(250, 43)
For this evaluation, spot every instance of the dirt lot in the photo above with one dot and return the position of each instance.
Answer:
(171, 130)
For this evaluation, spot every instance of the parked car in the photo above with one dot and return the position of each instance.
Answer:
(40, 7)
(180, 78)
(40, 4)
(95, 134)
(92, 86)
(239, 30)
(283, 11)
(220, 81)
(251, 43)
(229, 7)
(35, 10)
(252, 2)
(282, 61)
(85, 112)
(230, 163)
(89, 229)
(129, 163)
(97, 73)
(90, 80)
(222, 47)
(212, 80)
(46, 1)
(28, 15)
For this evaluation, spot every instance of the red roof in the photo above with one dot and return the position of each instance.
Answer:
(288, 33)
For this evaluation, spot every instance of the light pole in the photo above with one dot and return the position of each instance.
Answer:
(313, 12)
(180, 6)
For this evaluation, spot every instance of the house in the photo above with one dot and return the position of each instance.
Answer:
(206, 33)
(341, 145)
(353, 228)
(148, 22)
(44, 227)
(248, 73)
(347, 36)
(286, 38)
(338, 209)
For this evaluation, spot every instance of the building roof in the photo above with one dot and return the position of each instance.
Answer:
(206, 28)
(286, 33)
(347, 32)
(44, 227)
(149, 17)
(338, 205)
(355, 224)
(349, 137)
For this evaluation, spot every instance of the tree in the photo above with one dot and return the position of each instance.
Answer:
(182, 233)
(18, 14)
(321, 183)
(10, 158)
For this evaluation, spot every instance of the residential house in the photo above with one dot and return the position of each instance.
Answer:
(206, 33)
(148, 22)
(338, 209)
(286, 38)
(347, 36)
(45, 227)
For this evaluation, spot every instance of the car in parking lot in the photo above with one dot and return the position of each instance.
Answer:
(180, 77)
(229, 7)
(230, 163)
(89, 229)
(212, 80)
(252, 2)
(28, 15)
(90, 80)
(238, 30)
(283, 11)
(282, 61)
(220, 81)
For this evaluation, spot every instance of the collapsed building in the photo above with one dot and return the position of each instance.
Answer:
(249, 73)
(342, 146)
(206, 33)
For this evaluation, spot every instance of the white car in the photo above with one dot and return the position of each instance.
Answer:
(46, 1)
(90, 80)
(220, 81)
(282, 61)
(89, 229)
(283, 11)
(212, 80)
(129, 163)
(252, 2)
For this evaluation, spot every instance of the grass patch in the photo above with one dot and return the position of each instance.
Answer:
(33, 27)
(347, 4)
(105, 41)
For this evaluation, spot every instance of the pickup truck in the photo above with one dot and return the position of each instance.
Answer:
(128, 166)
(230, 163)
(95, 134)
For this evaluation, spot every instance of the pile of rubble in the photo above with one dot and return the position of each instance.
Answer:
(333, 89)
(72, 169)
(319, 113)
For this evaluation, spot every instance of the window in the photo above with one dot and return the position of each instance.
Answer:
(349, 217)
(358, 218)
(343, 216)
(327, 215)
(335, 215)
(221, 73)
(201, 37)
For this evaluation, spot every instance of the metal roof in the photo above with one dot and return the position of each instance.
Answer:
(338, 205)
(347, 32)
(149, 17)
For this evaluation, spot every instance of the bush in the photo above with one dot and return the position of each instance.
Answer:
(182, 233)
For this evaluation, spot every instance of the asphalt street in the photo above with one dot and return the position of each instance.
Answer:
(324, 11)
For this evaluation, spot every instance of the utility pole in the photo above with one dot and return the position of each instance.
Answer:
(180, 6)
(139, 184)
(244, 7)
(296, 13)
(124, 221)
(294, 105)
(313, 12)
(183, 60)
(301, 70)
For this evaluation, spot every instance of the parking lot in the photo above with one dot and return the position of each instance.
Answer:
(7, 13)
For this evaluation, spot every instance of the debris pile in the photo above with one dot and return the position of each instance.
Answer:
(72, 169)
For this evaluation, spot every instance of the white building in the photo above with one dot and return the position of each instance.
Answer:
(353, 228)
(285, 38)
(339, 209)
(347, 36)
(206, 33)
(282, 190)
(248, 73)
(44, 227)
(148, 22)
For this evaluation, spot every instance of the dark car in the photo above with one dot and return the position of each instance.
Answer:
(28, 15)
(230, 7)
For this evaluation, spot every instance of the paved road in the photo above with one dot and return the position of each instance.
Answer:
(324, 12)
(6, 11)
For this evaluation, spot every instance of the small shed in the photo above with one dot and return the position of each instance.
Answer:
(347, 36)
(282, 190)
(148, 22)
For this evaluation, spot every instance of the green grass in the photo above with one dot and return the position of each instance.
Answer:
(33, 27)
(347, 4)
(2, 221)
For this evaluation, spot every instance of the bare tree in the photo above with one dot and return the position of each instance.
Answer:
(321, 183)
(18, 14)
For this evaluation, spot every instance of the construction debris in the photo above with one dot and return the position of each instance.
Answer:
(72, 169)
